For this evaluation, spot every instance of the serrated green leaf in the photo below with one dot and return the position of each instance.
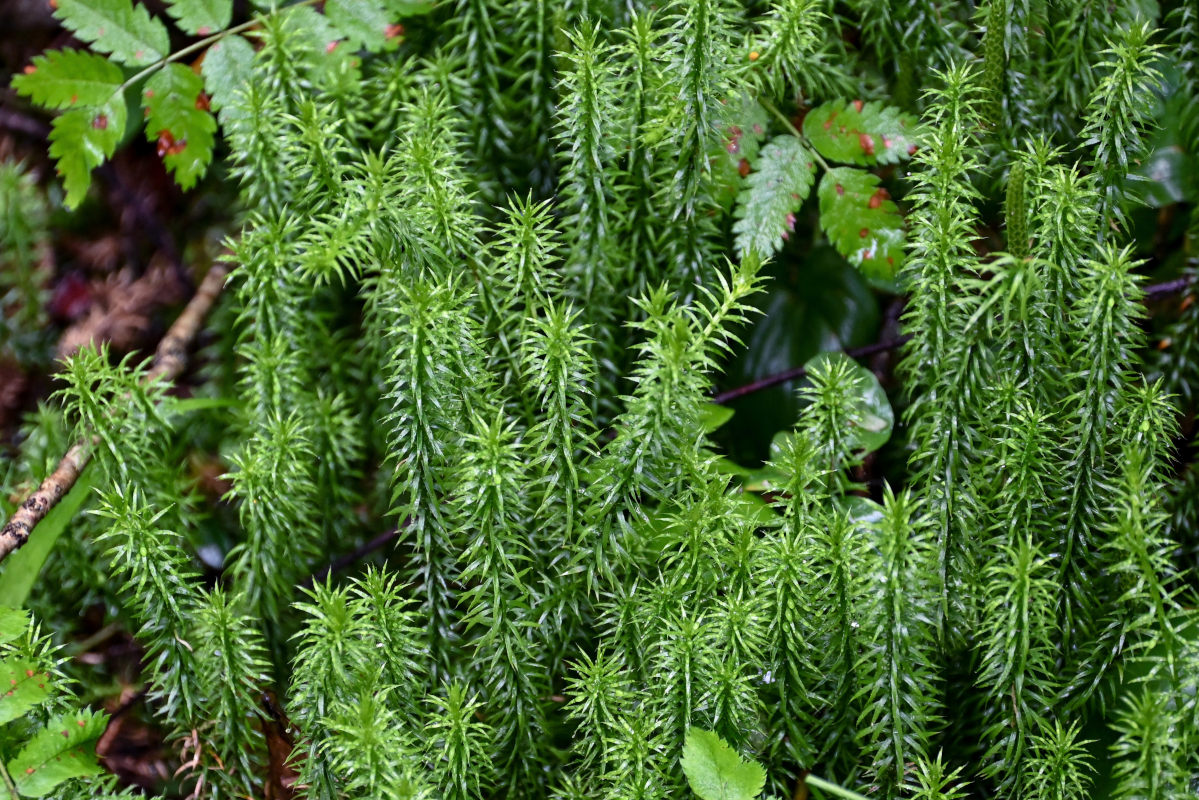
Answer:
(227, 66)
(21, 688)
(13, 622)
(742, 129)
(861, 221)
(81, 139)
(362, 22)
(118, 27)
(64, 749)
(775, 190)
(409, 8)
(854, 132)
(65, 78)
(201, 17)
(183, 130)
(716, 772)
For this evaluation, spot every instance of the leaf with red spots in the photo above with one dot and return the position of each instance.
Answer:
(741, 129)
(64, 749)
(201, 17)
(22, 687)
(170, 98)
(119, 27)
(860, 133)
(861, 221)
(67, 78)
(81, 139)
(773, 194)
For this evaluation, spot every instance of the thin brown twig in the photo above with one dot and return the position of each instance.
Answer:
(169, 362)
(349, 558)
(1152, 292)
(795, 373)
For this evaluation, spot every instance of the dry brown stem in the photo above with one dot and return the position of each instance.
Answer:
(169, 361)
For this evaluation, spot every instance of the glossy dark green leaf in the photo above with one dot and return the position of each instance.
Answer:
(869, 426)
(817, 305)
(712, 416)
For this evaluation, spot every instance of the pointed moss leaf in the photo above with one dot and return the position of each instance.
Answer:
(201, 17)
(81, 140)
(178, 122)
(65, 78)
(226, 68)
(118, 27)
(774, 192)
(860, 133)
(64, 749)
(716, 772)
(362, 22)
(21, 688)
(861, 221)
(13, 622)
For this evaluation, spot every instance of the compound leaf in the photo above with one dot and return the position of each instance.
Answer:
(226, 68)
(774, 192)
(21, 688)
(179, 121)
(13, 622)
(201, 17)
(65, 78)
(861, 221)
(118, 27)
(81, 139)
(361, 21)
(60, 751)
(854, 132)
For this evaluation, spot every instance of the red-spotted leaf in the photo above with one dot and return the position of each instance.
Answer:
(119, 27)
(854, 132)
(81, 139)
(178, 120)
(735, 152)
(861, 221)
(64, 749)
(201, 17)
(22, 687)
(773, 194)
(66, 78)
